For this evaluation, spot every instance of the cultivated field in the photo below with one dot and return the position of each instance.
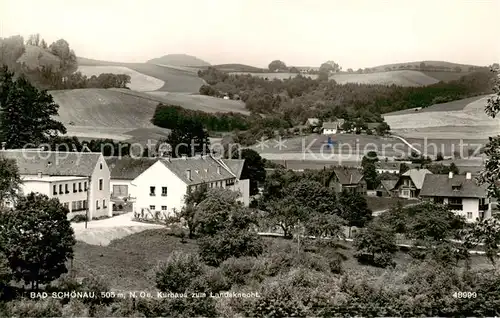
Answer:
(471, 122)
(175, 79)
(138, 81)
(443, 107)
(401, 78)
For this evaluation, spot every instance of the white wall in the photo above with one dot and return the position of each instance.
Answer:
(37, 186)
(329, 131)
(243, 186)
(470, 205)
(131, 188)
(100, 195)
(159, 176)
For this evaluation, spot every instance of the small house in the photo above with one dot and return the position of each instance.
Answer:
(410, 183)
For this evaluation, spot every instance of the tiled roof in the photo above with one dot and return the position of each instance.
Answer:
(235, 166)
(128, 168)
(348, 175)
(390, 165)
(53, 163)
(417, 176)
(330, 125)
(203, 169)
(440, 185)
(388, 184)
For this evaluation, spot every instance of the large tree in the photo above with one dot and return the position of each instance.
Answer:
(37, 239)
(277, 65)
(26, 113)
(68, 62)
(330, 67)
(253, 168)
(10, 181)
(187, 140)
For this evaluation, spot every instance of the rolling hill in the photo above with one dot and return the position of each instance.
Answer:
(458, 119)
(439, 64)
(35, 57)
(110, 113)
(401, 78)
(179, 60)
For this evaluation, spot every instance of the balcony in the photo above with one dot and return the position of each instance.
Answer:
(483, 207)
(124, 198)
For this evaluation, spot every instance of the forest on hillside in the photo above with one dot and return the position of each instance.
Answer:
(51, 66)
(299, 98)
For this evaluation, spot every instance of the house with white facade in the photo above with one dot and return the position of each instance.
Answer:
(158, 185)
(463, 194)
(410, 183)
(331, 128)
(79, 180)
(392, 167)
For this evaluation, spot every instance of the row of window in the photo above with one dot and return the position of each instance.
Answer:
(216, 184)
(75, 190)
(81, 205)
(152, 191)
(153, 207)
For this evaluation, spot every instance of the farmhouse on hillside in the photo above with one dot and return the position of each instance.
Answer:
(388, 166)
(159, 185)
(80, 180)
(347, 179)
(462, 193)
(332, 127)
(410, 183)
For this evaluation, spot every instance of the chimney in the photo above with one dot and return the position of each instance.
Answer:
(468, 176)
(450, 175)
(218, 169)
(3, 145)
(39, 174)
(188, 174)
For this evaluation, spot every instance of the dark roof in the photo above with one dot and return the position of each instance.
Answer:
(53, 163)
(128, 168)
(235, 166)
(389, 165)
(388, 184)
(441, 185)
(348, 175)
(203, 169)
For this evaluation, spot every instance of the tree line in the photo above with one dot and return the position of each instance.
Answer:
(298, 98)
(55, 65)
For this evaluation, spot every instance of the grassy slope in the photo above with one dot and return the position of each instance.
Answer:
(176, 80)
(35, 57)
(450, 106)
(417, 64)
(179, 60)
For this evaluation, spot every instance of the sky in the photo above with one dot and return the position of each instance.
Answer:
(354, 33)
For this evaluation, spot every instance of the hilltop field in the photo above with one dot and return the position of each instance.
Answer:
(462, 119)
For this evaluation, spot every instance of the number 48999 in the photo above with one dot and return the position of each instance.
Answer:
(464, 295)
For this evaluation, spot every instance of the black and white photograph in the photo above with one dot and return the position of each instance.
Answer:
(249, 158)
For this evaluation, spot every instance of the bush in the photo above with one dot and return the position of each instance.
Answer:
(212, 281)
(5, 273)
(178, 272)
(177, 307)
(79, 218)
(238, 270)
(31, 308)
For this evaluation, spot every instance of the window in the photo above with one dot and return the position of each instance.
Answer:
(66, 205)
(455, 200)
(60, 189)
(120, 190)
(84, 203)
(73, 206)
(100, 184)
(74, 187)
(439, 200)
(164, 208)
(79, 187)
(152, 207)
(85, 186)
(164, 191)
(469, 215)
(100, 166)
(104, 204)
(54, 189)
(229, 182)
(97, 204)
(66, 188)
(152, 191)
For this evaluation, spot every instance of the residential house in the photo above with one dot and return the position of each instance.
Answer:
(386, 188)
(333, 127)
(348, 179)
(462, 193)
(410, 183)
(159, 185)
(312, 122)
(388, 167)
(80, 180)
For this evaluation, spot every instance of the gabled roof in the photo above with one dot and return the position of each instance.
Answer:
(417, 176)
(388, 184)
(440, 185)
(203, 169)
(348, 175)
(128, 168)
(389, 165)
(53, 163)
(235, 166)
